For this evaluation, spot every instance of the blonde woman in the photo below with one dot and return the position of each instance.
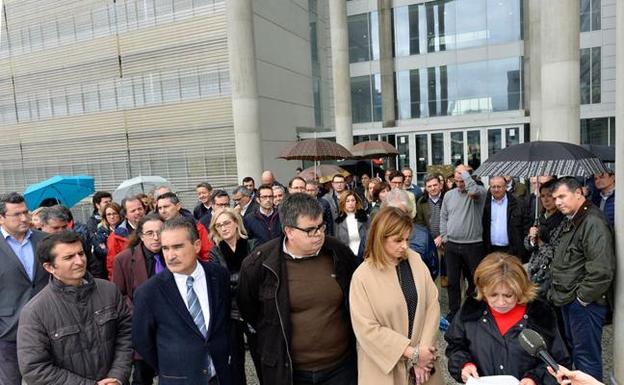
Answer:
(231, 247)
(394, 308)
(483, 337)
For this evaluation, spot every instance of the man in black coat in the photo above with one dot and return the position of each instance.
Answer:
(294, 291)
(504, 222)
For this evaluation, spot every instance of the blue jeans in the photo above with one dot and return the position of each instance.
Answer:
(345, 373)
(583, 331)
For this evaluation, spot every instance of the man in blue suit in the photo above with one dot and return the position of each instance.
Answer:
(181, 316)
(22, 278)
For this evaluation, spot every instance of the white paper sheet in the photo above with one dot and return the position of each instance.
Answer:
(493, 380)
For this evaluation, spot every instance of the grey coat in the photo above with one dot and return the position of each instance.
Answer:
(75, 335)
(16, 287)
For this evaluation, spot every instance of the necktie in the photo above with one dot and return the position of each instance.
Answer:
(198, 317)
(158, 265)
(194, 307)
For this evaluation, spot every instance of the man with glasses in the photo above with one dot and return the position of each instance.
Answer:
(312, 189)
(333, 196)
(22, 278)
(220, 199)
(294, 291)
(264, 224)
(243, 201)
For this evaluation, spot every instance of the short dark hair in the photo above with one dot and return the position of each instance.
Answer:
(169, 195)
(549, 185)
(45, 246)
(249, 179)
(132, 199)
(183, 223)
(205, 185)
(296, 205)
(57, 212)
(337, 175)
(98, 196)
(294, 179)
(243, 190)
(432, 177)
(13, 198)
(395, 174)
(218, 193)
(571, 183)
(265, 187)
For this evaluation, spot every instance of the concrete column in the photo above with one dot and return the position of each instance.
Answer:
(340, 71)
(532, 49)
(243, 79)
(618, 322)
(559, 26)
(386, 62)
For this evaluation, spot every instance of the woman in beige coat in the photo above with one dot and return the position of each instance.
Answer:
(391, 290)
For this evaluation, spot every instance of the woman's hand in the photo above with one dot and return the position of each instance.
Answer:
(422, 375)
(573, 377)
(469, 370)
(427, 355)
(527, 381)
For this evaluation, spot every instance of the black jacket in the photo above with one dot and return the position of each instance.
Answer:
(516, 226)
(263, 302)
(474, 337)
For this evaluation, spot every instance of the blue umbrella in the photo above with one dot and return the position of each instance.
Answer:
(67, 190)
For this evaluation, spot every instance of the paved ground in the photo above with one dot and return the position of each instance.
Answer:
(607, 349)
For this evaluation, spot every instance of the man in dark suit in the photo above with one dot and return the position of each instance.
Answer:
(503, 221)
(181, 316)
(22, 278)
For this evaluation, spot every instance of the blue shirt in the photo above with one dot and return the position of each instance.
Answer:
(23, 250)
(498, 222)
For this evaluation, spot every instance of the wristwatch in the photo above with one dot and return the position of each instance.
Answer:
(413, 360)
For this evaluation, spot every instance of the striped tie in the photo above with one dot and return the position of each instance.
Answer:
(194, 307)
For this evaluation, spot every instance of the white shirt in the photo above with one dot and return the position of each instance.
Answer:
(200, 287)
(354, 234)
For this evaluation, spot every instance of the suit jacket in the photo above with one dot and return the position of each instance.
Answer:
(129, 272)
(515, 226)
(16, 287)
(165, 335)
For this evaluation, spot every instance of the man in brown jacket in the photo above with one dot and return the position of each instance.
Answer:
(77, 329)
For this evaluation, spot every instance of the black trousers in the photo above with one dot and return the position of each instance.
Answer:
(9, 371)
(143, 373)
(461, 258)
(238, 331)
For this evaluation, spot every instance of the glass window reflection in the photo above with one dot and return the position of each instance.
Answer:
(457, 148)
(495, 140)
(437, 148)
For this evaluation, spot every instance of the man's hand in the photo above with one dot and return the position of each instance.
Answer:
(527, 381)
(576, 377)
(438, 241)
(461, 168)
(109, 381)
(469, 370)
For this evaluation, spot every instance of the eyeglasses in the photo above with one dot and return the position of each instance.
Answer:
(151, 234)
(24, 214)
(312, 231)
(223, 224)
(264, 197)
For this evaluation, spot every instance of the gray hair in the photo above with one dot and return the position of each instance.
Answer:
(183, 223)
(298, 205)
(57, 212)
(13, 197)
(398, 198)
(243, 190)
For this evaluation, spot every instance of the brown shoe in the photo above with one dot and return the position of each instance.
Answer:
(444, 281)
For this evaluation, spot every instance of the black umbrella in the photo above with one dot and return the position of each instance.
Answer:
(542, 158)
(605, 153)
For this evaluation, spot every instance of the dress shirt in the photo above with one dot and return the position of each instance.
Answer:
(23, 250)
(498, 222)
(201, 290)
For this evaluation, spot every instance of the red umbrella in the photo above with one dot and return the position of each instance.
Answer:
(373, 149)
(315, 149)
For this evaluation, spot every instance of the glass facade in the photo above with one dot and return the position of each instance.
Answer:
(459, 89)
(363, 37)
(590, 60)
(455, 24)
(366, 98)
(590, 15)
(598, 131)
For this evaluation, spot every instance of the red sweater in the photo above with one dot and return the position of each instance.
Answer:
(505, 321)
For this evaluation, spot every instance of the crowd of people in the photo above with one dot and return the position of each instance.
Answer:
(329, 284)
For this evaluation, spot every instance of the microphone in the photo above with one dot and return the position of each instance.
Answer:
(533, 343)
